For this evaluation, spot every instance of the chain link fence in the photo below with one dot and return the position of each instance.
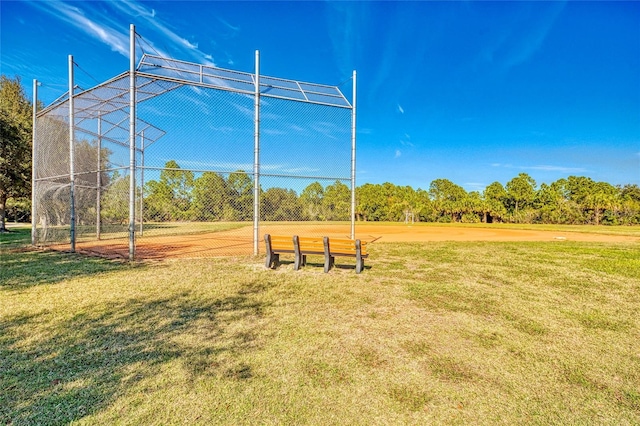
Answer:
(195, 164)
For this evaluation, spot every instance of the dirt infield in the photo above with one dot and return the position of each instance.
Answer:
(239, 241)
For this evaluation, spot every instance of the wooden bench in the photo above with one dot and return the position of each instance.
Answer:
(303, 246)
(346, 248)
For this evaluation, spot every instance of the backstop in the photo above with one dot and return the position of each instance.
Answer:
(178, 158)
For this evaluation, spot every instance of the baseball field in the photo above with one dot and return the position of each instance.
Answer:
(186, 240)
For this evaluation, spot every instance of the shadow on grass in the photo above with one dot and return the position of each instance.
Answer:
(23, 269)
(15, 237)
(79, 366)
(319, 263)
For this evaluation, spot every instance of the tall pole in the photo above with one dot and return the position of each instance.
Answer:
(141, 179)
(132, 140)
(72, 189)
(256, 157)
(99, 177)
(33, 163)
(353, 160)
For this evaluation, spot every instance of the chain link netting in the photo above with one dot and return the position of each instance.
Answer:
(194, 170)
(305, 168)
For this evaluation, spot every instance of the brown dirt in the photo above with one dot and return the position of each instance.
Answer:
(239, 241)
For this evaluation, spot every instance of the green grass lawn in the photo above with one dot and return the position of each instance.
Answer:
(455, 333)
(17, 237)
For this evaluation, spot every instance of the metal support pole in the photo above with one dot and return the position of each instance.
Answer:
(353, 160)
(256, 158)
(72, 189)
(132, 140)
(99, 178)
(33, 163)
(141, 180)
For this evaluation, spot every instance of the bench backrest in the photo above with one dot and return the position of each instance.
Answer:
(310, 244)
(339, 246)
(346, 246)
(280, 243)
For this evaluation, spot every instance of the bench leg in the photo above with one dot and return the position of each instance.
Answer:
(271, 256)
(329, 261)
(300, 261)
(359, 259)
(297, 255)
(273, 260)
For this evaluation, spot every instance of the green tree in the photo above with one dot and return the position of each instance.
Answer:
(398, 201)
(241, 186)
(475, 208)
(630, 204)
(15, 144)
(280, 204)
(181, 183)
(337, 201)
(371, 202)
(115, 200)
(561, 207)
(211, 198)
(495, 197)
(311, 201)
(448, 199)
(170, 197)
(546, 204)
(601, 197)
(157, 201)
(422, 206)
(521, 190)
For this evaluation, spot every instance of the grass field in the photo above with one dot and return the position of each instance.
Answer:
(429, 333)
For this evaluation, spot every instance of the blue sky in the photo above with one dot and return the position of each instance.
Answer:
(474, 92)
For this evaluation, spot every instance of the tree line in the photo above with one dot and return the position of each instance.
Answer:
(179, 195)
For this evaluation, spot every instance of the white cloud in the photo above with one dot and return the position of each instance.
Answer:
(233, 28)
(474, 186)
(301, 170)
(562, 169)
(398, 153)
(543, 167)
(400, 109)
(110, 31)
(117, 40)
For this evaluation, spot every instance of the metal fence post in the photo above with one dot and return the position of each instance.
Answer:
(353, 160)
(99, 177)
(141, 181)
(72, 201)
(132, 140)
(256, 158)
(33, 163)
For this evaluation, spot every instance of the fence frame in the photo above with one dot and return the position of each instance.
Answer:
(180, 73)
